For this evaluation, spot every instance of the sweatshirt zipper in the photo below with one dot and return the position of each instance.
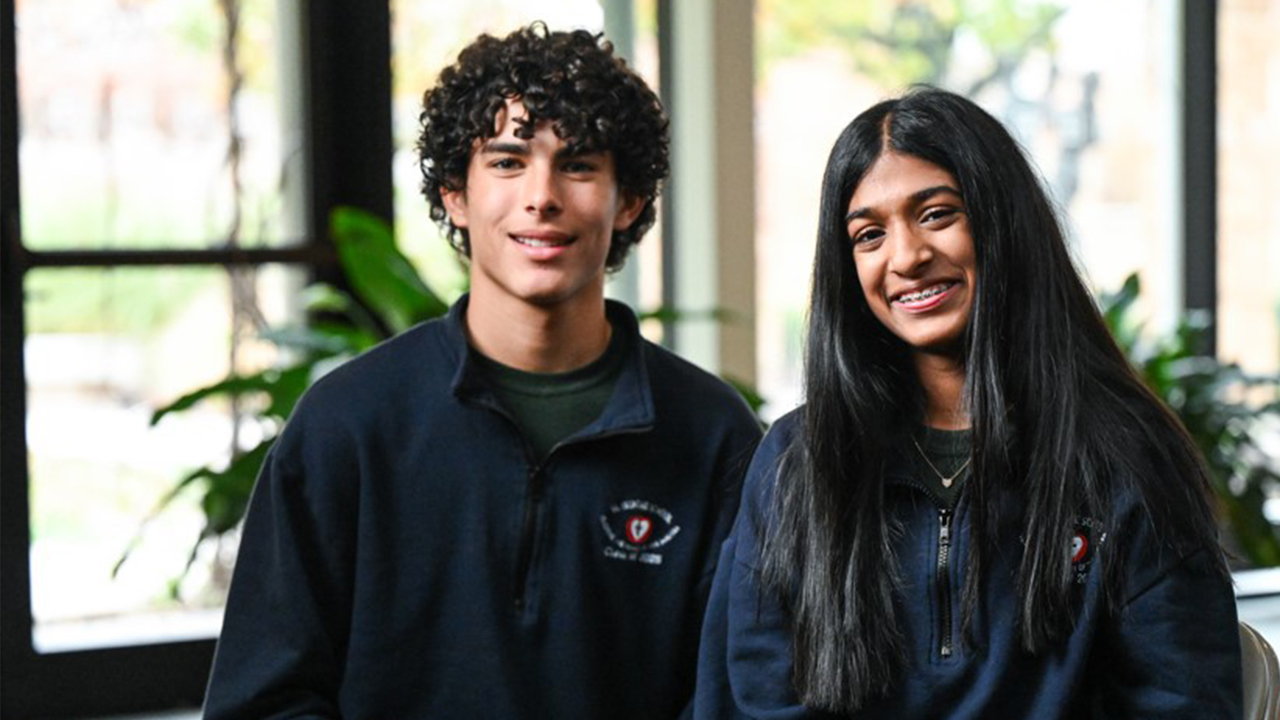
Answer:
(528, 533)
(529, 525)
(944, 582)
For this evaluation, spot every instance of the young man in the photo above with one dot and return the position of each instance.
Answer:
(515, 511)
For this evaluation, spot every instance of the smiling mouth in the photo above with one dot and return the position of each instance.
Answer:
(923, 296)
(537, 242)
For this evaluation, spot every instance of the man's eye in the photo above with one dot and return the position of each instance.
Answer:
(579, 166)
(505, 164)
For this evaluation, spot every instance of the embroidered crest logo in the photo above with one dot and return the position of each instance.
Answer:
(637, 530)
(1088, 536)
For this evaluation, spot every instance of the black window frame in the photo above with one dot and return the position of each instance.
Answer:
(346, 50)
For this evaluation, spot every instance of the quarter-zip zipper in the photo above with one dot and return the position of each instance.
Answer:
(944, 583)
(537, 485)
(533, 498)
(528, 533)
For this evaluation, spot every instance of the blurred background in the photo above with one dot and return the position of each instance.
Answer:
(171, 170)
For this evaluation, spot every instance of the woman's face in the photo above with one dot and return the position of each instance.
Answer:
(913, 252)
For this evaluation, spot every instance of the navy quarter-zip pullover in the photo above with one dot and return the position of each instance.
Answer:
(1170, 652)
(406, 556)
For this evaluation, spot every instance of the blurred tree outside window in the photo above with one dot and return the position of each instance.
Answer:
(145, 126)
(1248, 319)
(1248, 149)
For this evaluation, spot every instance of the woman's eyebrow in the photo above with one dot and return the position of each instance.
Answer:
(925, 194)
(918, 196)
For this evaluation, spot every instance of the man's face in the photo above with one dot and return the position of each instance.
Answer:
(539, 220)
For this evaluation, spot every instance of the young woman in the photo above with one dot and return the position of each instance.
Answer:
(980, 511)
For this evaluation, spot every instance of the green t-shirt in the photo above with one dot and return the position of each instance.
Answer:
(949, 451)
(549, 407)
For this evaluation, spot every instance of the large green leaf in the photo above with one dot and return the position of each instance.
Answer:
(227, 491)
(381, 276)
(283, 387)
(224, 501)
(232, 386)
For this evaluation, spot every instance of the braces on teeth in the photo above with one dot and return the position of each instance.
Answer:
(924, 294)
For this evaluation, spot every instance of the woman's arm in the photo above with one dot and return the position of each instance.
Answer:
(1173, 650)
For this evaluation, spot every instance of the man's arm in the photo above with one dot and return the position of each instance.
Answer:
(283, 641)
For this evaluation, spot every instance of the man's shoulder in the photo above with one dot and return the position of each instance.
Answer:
(671, 373)
(417, 358)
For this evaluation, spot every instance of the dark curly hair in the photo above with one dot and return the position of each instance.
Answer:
(571, 79)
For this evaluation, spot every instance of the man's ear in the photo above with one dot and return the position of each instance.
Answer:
(455, 203)
(629, 209)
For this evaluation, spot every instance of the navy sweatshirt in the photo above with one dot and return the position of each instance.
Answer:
(405, 557)
(1171, 651)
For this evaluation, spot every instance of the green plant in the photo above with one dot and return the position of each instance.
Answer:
(389, 297)
(1225, 410)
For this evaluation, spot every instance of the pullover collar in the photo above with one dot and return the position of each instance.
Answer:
(630, 409)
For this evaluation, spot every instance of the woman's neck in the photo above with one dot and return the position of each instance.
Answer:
(942, 381)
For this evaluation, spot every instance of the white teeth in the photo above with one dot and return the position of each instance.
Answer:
(538, 243)
(924, 294)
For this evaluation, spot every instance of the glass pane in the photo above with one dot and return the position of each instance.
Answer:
(647, 257)
(426, 36)
(105, 349)
(1248, 150)
(1086, 87)
(152, 125)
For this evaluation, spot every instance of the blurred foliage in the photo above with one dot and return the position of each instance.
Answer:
(1226, 411)
(389, 297)
(905, 41)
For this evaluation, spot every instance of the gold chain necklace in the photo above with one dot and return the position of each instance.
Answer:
(946, 481)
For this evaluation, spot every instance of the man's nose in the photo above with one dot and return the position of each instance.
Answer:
(541, 191)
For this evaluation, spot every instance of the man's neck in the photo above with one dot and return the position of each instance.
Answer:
(535, 338)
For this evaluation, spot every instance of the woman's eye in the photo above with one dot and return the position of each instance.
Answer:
(867, 236)
(938, 214)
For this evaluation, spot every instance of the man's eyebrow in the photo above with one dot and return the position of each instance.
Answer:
(504, 147)
(918, 196)
(570, 152)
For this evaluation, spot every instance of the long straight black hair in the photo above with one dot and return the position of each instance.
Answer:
(1061, 422)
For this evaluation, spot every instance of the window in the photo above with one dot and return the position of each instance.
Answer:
(165, 132)
(1248, 147)
(173, 182)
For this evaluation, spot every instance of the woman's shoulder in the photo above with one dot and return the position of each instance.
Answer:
(778, 440)
(761, 482)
